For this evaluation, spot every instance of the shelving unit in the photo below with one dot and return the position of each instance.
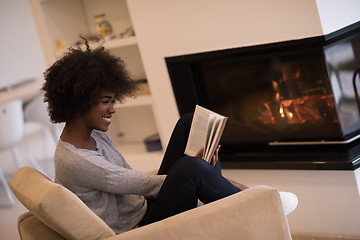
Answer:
(62, 21)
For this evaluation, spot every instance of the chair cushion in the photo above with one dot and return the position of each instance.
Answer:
(31, 228)
(57, 207)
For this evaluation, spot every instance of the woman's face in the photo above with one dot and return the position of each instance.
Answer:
(100, 114)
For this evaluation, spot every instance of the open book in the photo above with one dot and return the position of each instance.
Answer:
(206, 130)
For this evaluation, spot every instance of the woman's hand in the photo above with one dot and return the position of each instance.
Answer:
(240, 186)
(214, 159)
(200, 153)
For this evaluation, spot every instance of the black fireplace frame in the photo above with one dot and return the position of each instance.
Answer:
(334, 157)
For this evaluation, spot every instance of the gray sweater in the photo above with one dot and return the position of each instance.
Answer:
(104, 181)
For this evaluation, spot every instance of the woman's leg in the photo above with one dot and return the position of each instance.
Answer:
(188, 180)
(177, 143)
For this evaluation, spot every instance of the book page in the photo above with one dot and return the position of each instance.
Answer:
(219, 127)
(210, 133)
(211, 136)
(198, 131)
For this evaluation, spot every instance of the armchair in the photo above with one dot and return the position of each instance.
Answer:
(57, 213)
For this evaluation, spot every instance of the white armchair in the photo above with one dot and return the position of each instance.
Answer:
(57, 213)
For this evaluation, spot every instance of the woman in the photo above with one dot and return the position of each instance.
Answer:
(81, 89)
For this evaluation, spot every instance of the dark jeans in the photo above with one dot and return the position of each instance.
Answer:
(188, 179)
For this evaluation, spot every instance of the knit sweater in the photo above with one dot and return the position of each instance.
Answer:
(105, 182)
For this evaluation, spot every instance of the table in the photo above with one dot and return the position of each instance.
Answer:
(25, 91)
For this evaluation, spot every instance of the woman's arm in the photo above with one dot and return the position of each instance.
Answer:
(92, 171)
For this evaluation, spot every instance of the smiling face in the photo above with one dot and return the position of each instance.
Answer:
(99, 115)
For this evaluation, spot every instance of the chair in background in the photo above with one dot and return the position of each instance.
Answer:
(12, 130)
(35, 113)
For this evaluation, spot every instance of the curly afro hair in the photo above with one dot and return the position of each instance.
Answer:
(74, 83)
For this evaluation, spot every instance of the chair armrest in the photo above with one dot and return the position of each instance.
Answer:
(256, 213)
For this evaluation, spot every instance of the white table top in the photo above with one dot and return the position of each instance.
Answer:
(24, 91)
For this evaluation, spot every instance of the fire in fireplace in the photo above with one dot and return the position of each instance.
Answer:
(299, 92)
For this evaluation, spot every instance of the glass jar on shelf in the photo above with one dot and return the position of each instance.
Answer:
(103, 26)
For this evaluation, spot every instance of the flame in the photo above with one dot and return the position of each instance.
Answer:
(281, 111)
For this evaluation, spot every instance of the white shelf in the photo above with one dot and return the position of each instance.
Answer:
(108, 44)
(113, 43)
(142, 100)
(120, 42)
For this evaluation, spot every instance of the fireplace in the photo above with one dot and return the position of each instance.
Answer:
(291, 104)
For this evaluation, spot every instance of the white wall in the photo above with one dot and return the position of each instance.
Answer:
(21, 56)
(336, 14)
